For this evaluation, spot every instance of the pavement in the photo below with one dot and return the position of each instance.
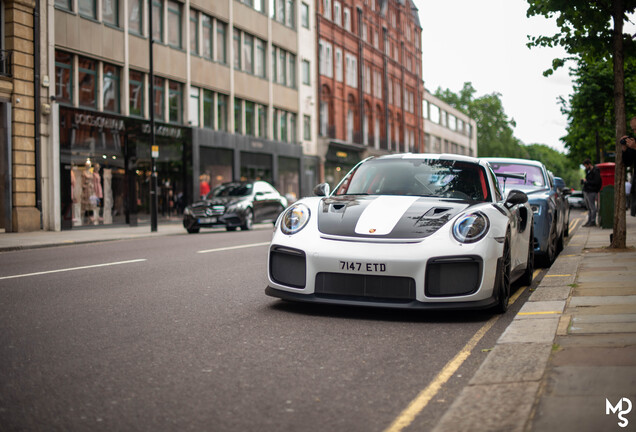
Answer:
(567, 361)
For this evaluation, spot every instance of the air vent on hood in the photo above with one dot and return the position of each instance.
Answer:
(436, 212)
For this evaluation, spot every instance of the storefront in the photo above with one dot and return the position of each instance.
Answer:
(224, 157)
(106, 166)
(339, 160)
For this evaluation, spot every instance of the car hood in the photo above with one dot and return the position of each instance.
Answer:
(388, 217)
(224, 201)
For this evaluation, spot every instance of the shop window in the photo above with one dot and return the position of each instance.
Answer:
(288, 182)
(157, 20)
(174, 24)
(87, 8)
(208, 109)
(256, 166)
(111, 88)
(87, 82)
(193, 107)
(136, 90)
(63, 77)
(215, 167)
(159, 98)
(175, 104)
(110, 12)
(134, 17)
(194, 32)
(221, 112)
(206, 36)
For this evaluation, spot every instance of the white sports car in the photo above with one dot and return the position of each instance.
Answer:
(421, 231)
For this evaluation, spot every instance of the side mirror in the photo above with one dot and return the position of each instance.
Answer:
(567, 191)
(322, 189)
(516, 197)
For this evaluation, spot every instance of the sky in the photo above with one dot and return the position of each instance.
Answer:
(484, 42)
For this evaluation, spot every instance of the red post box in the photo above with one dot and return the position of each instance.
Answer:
(607, 173)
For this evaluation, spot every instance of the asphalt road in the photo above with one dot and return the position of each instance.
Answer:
(175, 333)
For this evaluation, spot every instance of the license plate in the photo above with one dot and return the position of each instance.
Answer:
(357, 266)
(207, 220)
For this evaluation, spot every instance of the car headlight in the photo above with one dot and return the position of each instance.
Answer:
(471, 227)
(294, 219)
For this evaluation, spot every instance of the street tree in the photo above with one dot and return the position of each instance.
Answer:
(594, 30)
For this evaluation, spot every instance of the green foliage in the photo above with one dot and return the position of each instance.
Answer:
(495, 136)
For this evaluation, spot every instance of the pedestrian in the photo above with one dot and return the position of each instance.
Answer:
(591, 186)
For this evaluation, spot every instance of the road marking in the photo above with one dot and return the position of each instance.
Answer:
(539, 313)
(574, 223)
(416, 406)
(565, 275)
(233, 247)
(72, 269)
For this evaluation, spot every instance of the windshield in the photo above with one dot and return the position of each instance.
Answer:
(419, 177)
(231, 190)
(534, 174)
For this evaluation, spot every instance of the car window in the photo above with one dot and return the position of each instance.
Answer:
(534, 174)
(419, 177)
(231, 189)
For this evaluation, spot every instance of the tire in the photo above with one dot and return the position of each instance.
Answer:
(248, 221)
(230, 228)
(526, 277)
(503, 280)
(546, 259)
(567, 225)
(193, 230)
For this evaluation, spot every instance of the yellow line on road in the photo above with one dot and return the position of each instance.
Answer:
(416, 406)
(539, 313)
(565, 275)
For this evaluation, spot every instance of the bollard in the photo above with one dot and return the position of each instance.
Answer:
(607, 207)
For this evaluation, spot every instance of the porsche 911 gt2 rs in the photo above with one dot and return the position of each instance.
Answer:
(418, 231)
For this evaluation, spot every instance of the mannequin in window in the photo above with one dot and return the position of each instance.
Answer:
(91, 192)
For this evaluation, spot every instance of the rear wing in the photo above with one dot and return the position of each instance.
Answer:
(506, 176)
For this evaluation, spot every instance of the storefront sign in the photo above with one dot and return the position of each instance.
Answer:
(164, 131)
(99, 121)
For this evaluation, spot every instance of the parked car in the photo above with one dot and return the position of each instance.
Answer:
(416, 231)
(233, 205)
(547, 205)
(563, 204)
(576, 199)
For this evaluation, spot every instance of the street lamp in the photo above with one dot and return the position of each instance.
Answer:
(153, 148)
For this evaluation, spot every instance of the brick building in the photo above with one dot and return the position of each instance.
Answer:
(19, 193)
(370, 81)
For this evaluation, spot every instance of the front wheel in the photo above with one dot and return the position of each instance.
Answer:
(503, 280)
(248, 221)
(193, 230)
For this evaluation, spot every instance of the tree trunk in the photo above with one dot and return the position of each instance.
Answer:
(619, 237)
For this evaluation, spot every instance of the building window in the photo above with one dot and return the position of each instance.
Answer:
(325, 59)
(290, 13)
(350, 125)
(293, 137)
(339, 68)
(248, 53)
(206, 36)
(221, 112)
(347, 19)
(283, 126)
(174, 24)
(249, 118)
(260, 58)
(158, 91)
(262, 120)
(175, 99)
(292, 70)
(110, 12)
(134, 17)
(136, 93)
(194, 32)
(111, 88)
(157, 20)
(337, 15)
(221, 43)
(304, 15)
(237, 49)
(238, 116)
(352, 70)
(282, 67)
(63, 4)
(87, 8)
(324, 118)
(307, 128)
(326, 4)
(306, 73)
(87, 83)
(194, 107)
(208, 109)
(63, 77)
